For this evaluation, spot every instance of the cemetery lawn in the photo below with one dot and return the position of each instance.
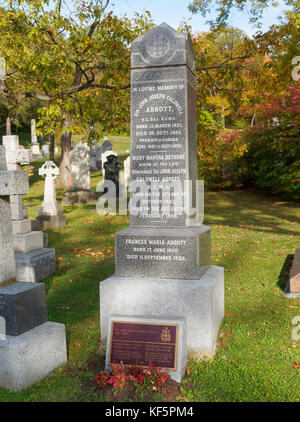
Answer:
(253, 238)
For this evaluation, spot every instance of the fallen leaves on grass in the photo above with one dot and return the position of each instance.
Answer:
(296, 366)
(93, 252)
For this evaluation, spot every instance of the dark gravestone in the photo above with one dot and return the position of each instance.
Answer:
(23, 306)
(112, 172)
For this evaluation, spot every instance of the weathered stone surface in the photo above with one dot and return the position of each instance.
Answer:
(23, 307)
(13, 183)
(36, 265)
(146, 252)
(3, 165)
(27, 242)
(163, 135)
(53, 222)
(199, 302)
(17, 210)
(30, 357)
(21, 226)
(80, 167)
(20, 156)
(10, 142)
(7, 256)
(181, 358)
(163, 46)
(45, 150)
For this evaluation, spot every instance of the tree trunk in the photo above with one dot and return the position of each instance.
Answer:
(253, 120)
(65, 176)
(52, 147)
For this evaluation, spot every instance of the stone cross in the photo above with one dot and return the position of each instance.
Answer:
(14, 157)
(49, 205)
(50, 214)
(12, 183)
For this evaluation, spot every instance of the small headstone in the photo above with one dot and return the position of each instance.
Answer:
(98, 157)
(50, 213)
(112, 171)
(45, 150)
(93, 156)
(35, 148)
(80, 192)
(107, 145)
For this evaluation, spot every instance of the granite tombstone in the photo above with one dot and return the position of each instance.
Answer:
(163, 262)
(22, 306)
(80, 192)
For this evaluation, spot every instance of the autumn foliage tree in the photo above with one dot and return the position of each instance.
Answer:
(75, 66)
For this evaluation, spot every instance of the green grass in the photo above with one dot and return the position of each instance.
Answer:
(252, 235)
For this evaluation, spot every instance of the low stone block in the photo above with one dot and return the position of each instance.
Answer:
(52, 221)
(36, 225)
(179, 347)
(28, 242)
(10, 142)
(30, 357)
(13, 182)
(199, 302)
(36, 265)
(16, 206)
(165, 253)
(21, 226)
(79, 197)
(23, 306)
(19, 156)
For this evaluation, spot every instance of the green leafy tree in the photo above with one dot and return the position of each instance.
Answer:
(76, 66)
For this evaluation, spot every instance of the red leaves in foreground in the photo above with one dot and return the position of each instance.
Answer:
(150, 378)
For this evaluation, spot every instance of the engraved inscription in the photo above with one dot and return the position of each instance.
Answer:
(139, 343)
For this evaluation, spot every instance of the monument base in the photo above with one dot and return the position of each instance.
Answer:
(37, 157)
(288, 294)
(52, 221)
(79, 197)
(35, 265)
(31, 356)
(200, 302)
